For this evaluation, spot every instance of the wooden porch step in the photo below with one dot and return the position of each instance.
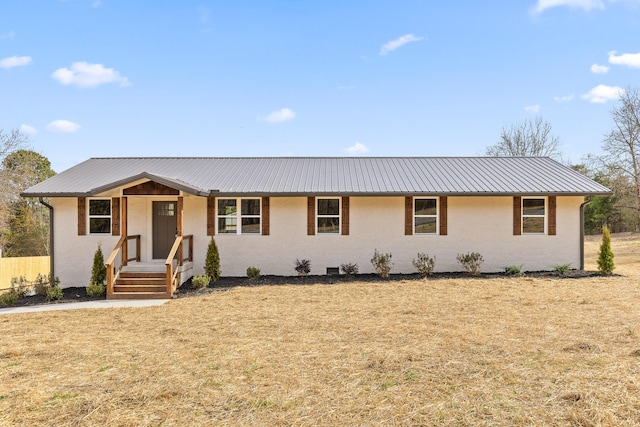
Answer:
(141, 281)
(142, 274)
(141, 287)
(140, 295)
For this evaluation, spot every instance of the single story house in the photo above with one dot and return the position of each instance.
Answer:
(154, 217)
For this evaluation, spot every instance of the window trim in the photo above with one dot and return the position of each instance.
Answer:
(338, 232)
(436, 216)
(545, 216)
(90, 216)
(238, 216)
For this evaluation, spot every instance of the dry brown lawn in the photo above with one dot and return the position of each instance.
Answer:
(507, 352)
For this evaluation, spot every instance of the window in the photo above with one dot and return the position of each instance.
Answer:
(533, 215)
(425, 216)
(248, 217)
(328, 215)
(99, 216)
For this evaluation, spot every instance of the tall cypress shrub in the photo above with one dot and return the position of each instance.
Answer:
(605, 259)
(212, 263)
(99, 270)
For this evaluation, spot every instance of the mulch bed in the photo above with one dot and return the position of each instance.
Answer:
(77, 294)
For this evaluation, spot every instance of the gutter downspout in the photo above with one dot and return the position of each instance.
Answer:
(52, 274)
(582, 232)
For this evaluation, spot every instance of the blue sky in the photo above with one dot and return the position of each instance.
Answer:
(102, 78)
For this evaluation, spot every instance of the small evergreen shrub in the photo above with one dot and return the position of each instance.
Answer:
(212, 262)
(96, 290)
(349, 268)
(605, 258)
(514, 270)
(41, 284)
(9, 298)
(303, 267)
(20, 286)
(471, 262)
(54, 293)
(200, 282)
(424, 264)
(562, 269)
(99, 270)
(382, 264)
(253, 272)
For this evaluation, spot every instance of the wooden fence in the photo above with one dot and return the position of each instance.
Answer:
(29, 267)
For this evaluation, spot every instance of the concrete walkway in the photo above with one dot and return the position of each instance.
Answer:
(85, 304)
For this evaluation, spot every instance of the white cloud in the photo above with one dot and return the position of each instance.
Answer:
(565, 98)
(357, 148)
(28, 130)
(64, 126)
(279, 116)
(602, 93)
(532, 108)
(8, 35)
(585, 5)
(14, 61)
(84, 74)
(629, 59)
(599, 69)
(399, 42)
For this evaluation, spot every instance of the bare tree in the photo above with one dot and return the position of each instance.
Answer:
(528, 138)
(622, 144)
(9, 142)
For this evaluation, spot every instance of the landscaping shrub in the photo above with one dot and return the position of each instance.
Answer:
(200, 282)
(303, 267)
(54, 293)
(562, 269)
(514, 270)
(424, 264)
(99, 270)
(253, 272)
(382, 264)
(349, 268)
(9, 298)
(20, 286)
(41, 284)
(605, 258)
(471, 262)
(96, 290)
(212, 262)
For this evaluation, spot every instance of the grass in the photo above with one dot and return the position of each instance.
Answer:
(511, 351)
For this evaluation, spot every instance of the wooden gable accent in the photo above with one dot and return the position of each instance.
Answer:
(551, 220)
(115, 216)
(265, 216)
(443, 216)
(408, 216)
(311, 216)
(150, 188)
(517, 215)
(82, 216)
(211, 216)
(345, 216)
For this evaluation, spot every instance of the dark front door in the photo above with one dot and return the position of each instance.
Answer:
(165, 228)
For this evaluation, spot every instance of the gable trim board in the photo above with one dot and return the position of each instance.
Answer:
(486, 221)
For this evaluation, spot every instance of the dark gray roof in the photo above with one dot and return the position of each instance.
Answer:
(327, 176)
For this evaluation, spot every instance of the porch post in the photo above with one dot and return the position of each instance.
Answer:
(124, 230)
(180, 225)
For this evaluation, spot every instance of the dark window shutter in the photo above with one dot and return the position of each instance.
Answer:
(408, 216)
(443, 215)
(551, 221)
(345, 216)
(115, 216)
(211, 216)
(82, 216)
(517, 216)
(265, 216)
(311, 216)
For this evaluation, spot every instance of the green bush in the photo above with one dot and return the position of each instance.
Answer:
(424, 264)
(605, 258)
(200, 282)
(253, 272)
(562, 269)
(382, 264)
(349, 268)
(471, 262)
(54, 293)
(96, 290)
(20, 286)
(99, 270)
(514, 270)
(8, 298)
(303, 267)
(212, 262)
(41, 284)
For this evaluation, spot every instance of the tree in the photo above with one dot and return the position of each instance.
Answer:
(605, 258)
(212, 262)
(27, 233)
(622, 144)
(528, 138)
(9, 142)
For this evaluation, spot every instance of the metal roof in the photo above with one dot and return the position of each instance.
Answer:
(325, 175)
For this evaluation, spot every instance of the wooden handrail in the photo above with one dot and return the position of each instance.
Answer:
(112, 274)
(173, 276)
